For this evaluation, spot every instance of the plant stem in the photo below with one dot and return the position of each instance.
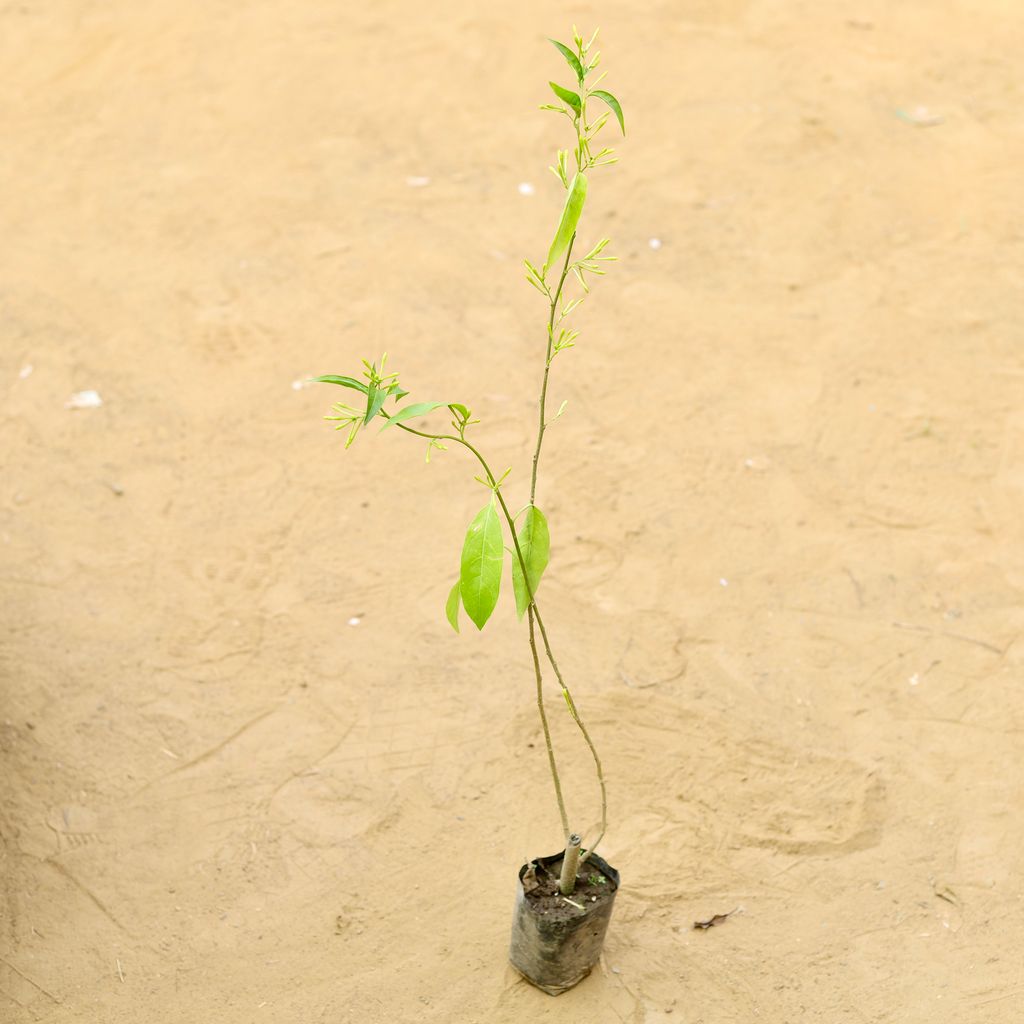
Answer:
(544, 724)
(570, 865)
(542, 426)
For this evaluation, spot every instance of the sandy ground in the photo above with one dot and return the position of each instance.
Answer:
(786, 501)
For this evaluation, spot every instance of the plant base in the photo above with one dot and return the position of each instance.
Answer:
(556, 940)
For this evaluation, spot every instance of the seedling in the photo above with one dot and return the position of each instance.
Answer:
(564, 280)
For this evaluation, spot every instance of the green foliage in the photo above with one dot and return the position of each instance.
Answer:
(571, 58)
(567, 96)
(345, 382)
(607, 97)
(570, 218)
(451, 608)
(483, 556)
(410, 412)
(535, 547)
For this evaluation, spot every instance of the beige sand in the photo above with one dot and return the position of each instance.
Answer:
(786, 501)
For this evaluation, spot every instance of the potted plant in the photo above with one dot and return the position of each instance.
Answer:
(564, 901)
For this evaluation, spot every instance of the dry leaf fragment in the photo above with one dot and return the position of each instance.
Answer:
(703, 926)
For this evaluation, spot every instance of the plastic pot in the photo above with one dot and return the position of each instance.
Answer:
(556, 940)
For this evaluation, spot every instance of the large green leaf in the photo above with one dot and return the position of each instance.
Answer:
(612, 102)
(451, 608)
(535, 545)
(409, 412)
(345, 382)
(568, 97)
(480, 569)
(574, 61)
(570, 218)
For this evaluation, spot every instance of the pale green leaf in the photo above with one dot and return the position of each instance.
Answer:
(568, 97)
(570, 218)
(574, 61)
(409, 412)
(481, 565)
(345, 382)
(535, 545)
(612, 102)
(375, 398)
(451, 608)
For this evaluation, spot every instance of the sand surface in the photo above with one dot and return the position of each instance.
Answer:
(249, 772)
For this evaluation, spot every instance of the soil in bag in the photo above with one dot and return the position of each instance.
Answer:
(557, 939)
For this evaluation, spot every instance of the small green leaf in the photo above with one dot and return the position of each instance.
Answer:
(409, 412)
(459, 409)
(480, 569)
(567, 96)
(451, 609)
(397, 392)
(574, 61)
(345, 382)
(570, 218)
(612, 102)
(535, 544)
(375, 398)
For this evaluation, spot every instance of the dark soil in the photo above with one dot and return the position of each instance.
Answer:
(540, 884)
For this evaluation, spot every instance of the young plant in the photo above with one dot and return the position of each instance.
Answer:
(494, 529)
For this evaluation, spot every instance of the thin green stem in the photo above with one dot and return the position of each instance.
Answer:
(544, 723)
(542, 426)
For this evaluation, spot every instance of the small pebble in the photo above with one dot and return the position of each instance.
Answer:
(920, 117)
(26, 371)
(526, 189)
(655, 243)
(84, 400)
(354, 621)
(417, 181)
(724, 582)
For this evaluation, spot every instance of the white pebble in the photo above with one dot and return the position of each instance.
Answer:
(655, 243)
(417, 181)
(526, 189)
(26, 371)
(84, 400)
(724, 582)
(915, 679)
(354, 621)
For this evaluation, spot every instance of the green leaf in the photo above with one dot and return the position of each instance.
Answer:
(574, 61)
(375, 398)
(535, 544)
(409, 412)
(481, 565)
(567, 96)
(451, 609)
(345, 382)
(397, 392)
(570, 218)
(612, 102)
(459, 409)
